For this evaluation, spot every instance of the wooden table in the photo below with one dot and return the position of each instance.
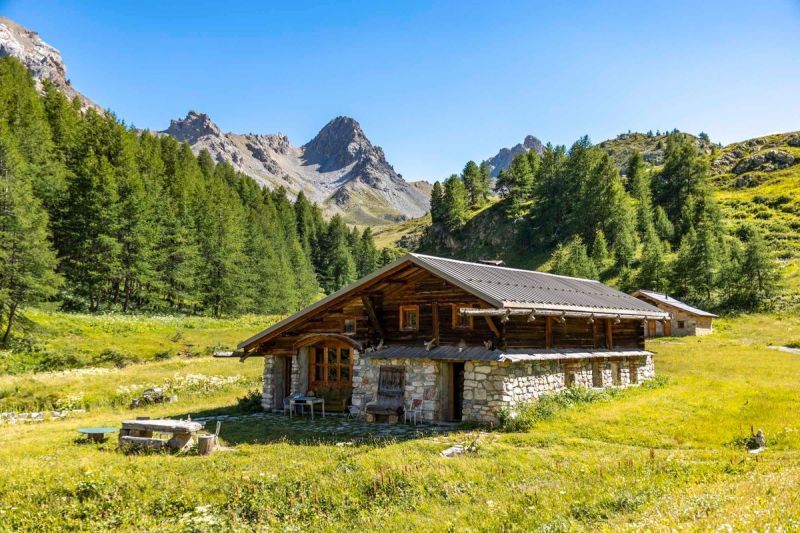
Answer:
(307, 400)
(140, 432)
(96, 434)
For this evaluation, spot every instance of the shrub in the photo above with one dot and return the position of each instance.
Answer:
(119, 360)
(163, 355)
(250, 402)
(59, 361)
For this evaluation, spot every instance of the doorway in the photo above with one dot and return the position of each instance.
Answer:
(457, 390)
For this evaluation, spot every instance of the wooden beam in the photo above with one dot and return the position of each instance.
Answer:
(492, 326)
(435, 315)
(609, 334)
(548, 332)
(373, 316)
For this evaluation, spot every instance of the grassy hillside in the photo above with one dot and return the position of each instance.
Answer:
(59, 341)
(651, 458)
(652, 147)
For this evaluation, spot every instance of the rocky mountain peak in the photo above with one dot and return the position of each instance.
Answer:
(42, 60)
(338, 144)
(503, 158)
(193, 127)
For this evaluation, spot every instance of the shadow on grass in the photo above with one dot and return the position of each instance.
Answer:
(264, 428)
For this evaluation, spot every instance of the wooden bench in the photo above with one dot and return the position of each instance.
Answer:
(391, 388)
(144, 443)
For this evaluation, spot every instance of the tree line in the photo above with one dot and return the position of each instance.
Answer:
(648, 228)
(97, 216)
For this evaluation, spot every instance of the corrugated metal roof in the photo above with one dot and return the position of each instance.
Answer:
(515, 288)
(474, 353)
(668, 300)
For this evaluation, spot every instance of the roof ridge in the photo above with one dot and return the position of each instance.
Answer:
(483, 265)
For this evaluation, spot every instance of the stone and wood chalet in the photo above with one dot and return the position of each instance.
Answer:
(686, 320)
(460, 340)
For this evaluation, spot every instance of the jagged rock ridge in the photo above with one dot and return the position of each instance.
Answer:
(503, 158)
(339, 168)
(42, 60)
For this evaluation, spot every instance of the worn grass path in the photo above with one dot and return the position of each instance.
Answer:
(652, 459)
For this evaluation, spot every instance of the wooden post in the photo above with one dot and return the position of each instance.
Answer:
(609, 334)
(548, 332)
(595, 334)
(435, 315)
(492, 326)
(373, 316)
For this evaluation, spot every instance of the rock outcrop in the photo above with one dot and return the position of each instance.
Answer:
(339, 168)
(503, 158)
(42, 60)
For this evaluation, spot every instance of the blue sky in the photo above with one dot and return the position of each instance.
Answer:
(436, 83)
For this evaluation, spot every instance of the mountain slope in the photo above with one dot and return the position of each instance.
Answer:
(502, 159)
(340, 168)
(651, 146)
(42, 60)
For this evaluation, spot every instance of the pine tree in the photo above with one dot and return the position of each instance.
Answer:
(600, 254)
(662, 225)
(437, 204)
(654, 268)
(455, 202)
(477, 188)
(572, 259)
(369, 256)
(27, 262)
(753, 277)
(624, 247)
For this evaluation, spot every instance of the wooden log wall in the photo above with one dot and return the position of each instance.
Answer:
(428, 291)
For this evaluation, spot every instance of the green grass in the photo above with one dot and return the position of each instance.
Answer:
(57, 341)
(649, 458)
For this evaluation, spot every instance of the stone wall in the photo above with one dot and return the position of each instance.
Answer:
(489, 387)
(422, 380)
(268, 392)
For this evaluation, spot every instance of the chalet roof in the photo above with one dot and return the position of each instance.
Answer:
(672, 302)
(499, 287)
(514, 355)
(512, 288)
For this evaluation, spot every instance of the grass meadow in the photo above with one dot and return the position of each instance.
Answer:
(651, 458)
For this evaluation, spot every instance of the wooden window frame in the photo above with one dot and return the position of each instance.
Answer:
(344, 325)
(455, 323)
(314, 362)
(403, 310)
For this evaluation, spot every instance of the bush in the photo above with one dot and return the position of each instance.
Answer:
(119, 360)
(250, 402)
(53, 361)
(163, 355)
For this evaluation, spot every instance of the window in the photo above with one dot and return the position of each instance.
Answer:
(409, 317)
(349, 326)
(330, 365)
(681, 324)
(460, 321)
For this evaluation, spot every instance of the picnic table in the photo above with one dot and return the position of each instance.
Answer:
(140, 433)
(96, 434)
(307, 400)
